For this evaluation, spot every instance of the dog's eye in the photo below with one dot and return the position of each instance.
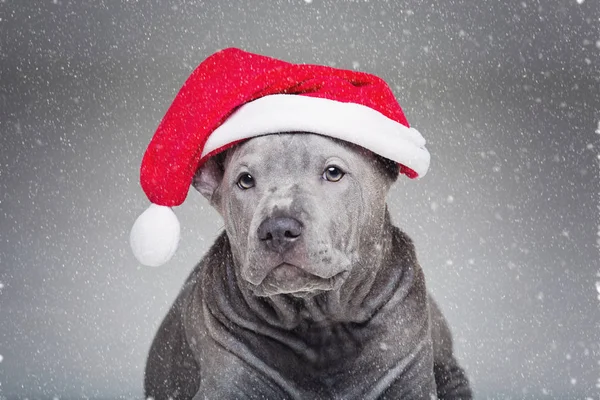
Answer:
(245, 181)
(333, 174)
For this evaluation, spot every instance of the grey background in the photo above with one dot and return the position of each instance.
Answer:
(506, 222)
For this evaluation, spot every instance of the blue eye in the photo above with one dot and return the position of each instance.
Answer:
(245, 181)
(333, 174)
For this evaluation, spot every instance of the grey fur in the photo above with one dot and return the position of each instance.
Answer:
(339, 312)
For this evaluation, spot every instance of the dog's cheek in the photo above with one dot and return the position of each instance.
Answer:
(364, 218)
(340, 213)
(372, 219)
(236, 223)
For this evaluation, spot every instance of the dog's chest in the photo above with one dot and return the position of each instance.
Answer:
(326, 360)
(336, 357)
(334, 363)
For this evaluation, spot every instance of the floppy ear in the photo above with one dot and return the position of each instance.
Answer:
(208, 179)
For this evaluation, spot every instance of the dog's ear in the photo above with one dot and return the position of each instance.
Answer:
(208, 179)
(388, 168)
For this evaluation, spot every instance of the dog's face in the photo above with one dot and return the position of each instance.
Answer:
(302, 212)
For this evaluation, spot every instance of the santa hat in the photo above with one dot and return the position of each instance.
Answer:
(235, 95)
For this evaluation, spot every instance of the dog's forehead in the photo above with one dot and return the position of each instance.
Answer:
(298, 149)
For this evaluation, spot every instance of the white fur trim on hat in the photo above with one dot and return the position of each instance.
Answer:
(155, 235)
(354, 123)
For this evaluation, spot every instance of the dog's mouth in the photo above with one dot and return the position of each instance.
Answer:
(293, 280)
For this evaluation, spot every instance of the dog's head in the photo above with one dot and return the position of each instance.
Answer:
(303, 212)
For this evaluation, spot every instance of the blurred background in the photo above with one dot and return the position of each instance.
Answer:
(506, 223)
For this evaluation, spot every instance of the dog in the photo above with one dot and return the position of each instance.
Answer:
(310, 292)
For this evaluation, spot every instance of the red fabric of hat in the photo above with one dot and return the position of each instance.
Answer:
(227, 80)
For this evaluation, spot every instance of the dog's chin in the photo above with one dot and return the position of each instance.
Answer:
(294, 281)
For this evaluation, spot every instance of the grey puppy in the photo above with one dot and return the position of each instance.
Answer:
(310, 293)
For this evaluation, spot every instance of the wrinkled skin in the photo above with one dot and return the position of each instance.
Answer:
(342, 221)
(310, 293)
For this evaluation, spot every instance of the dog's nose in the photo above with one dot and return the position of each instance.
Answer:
(279, 233)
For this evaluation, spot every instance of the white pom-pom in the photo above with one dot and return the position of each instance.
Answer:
(155, 236)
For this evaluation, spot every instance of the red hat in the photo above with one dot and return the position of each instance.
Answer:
(235, 95)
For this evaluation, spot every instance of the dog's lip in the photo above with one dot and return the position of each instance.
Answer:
(293, 271)
(308, 283)
(288, 271)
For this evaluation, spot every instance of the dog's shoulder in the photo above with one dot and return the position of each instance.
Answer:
(402, 245)
(219, 250)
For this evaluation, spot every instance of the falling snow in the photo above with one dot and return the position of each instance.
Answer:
(505, 223)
